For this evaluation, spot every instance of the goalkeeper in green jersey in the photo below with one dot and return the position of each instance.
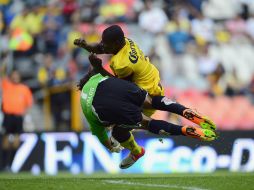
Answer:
(108, 101)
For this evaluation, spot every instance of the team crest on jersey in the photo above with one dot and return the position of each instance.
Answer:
(167, 101)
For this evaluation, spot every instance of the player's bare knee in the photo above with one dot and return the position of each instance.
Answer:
(145, 121)
(148, 102)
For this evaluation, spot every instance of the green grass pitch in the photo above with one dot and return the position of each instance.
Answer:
(213, 181)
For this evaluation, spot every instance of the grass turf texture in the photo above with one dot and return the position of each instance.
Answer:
(213, 181)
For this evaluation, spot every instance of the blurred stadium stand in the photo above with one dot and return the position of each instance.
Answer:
(203, 49)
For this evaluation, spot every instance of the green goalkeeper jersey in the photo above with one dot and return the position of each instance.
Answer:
(86, 100)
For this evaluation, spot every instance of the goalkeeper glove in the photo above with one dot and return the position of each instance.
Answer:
(116, 146)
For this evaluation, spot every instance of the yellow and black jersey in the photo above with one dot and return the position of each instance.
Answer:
(130, 61)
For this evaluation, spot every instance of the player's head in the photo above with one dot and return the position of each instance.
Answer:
(113, 39)
(15, 76)
(85, 78)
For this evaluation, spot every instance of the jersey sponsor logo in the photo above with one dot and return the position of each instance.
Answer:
(90, 97)
(133, 55)
(83, 95)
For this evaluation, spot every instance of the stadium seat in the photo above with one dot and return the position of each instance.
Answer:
(241, 101)
(247, 120)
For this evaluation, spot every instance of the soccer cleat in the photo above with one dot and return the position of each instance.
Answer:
(202, 121)
(131, 159)
(199, 133)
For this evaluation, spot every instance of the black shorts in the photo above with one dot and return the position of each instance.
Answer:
(117, 101)
(12, 124)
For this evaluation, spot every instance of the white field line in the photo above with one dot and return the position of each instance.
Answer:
(123, 182)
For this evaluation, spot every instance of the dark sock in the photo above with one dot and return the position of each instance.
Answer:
(161, 127)
(165, 104)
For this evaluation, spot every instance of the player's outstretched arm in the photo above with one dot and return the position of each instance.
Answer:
(92, 48)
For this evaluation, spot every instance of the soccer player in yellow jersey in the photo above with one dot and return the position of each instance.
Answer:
(128, 62)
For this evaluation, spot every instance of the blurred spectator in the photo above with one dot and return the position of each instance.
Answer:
(45, 72)
(234, 85)
(178, 38)
(152, 19)
(206, 64)
(53, 21)
(53, 76)
(69, 7)
(35, 19)
(21, 42)
(202, 29)
(89, 11)
(216, 82)
(17, 99)
(14, 8)
(1, 22)
(30, 20)
(92, 35)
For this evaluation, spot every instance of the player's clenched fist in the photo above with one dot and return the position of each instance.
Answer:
(80, 42)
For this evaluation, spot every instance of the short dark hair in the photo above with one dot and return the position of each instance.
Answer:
(85, 78)
(112, 34)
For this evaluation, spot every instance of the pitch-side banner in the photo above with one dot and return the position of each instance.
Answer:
(83, 153)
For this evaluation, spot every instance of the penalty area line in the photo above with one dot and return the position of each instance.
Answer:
(123, 182)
